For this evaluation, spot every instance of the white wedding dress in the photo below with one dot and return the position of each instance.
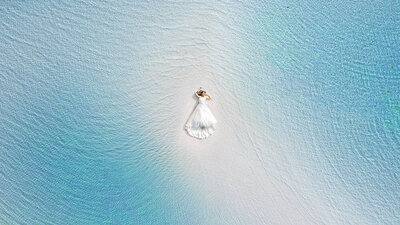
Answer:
(201, 122)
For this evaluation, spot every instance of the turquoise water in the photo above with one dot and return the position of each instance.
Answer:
(91, 110)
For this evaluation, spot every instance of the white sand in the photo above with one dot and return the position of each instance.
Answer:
(243, 173)
(229, 174)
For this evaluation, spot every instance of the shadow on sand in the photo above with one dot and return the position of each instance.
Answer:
(194, 107)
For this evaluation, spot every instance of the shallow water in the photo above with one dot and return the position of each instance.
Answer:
(94, 97)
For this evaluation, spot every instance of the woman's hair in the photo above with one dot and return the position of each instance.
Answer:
(200, 92)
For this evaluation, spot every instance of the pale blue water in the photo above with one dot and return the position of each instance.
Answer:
(79, 95)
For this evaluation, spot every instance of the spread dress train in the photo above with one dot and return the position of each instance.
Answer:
(201, 122)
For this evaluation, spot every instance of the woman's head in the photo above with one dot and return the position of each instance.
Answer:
(202, 93)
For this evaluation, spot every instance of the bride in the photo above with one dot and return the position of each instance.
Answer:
(201, 122)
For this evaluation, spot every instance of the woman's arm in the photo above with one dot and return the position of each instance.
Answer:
(208, 97)
(197, 91)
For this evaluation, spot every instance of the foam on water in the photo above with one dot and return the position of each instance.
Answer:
(94, 97)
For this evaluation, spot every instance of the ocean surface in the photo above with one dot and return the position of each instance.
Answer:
(94, 96)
